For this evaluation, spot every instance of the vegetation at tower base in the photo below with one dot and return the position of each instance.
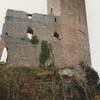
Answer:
(34, 40)
(97, 92)
(91, 74)
(98, 87)
(45, 53)
(23, 83)
(92, 79)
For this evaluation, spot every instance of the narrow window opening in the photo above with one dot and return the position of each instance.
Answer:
(6, 33)
(56, 35)
(51, 10)
(55, 19)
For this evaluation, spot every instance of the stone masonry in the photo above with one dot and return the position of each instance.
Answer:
(65, 17)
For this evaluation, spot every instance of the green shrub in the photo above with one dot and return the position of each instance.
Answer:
(76, 87)
(82, 64)
(91, 74)
(12, 81)
(98, 87)
(34, 40)
(45, 52)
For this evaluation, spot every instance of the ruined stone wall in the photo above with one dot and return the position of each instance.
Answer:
(68, 19)
(21, 52)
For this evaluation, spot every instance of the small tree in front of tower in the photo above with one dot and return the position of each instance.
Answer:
(45, 53)
(92, 79)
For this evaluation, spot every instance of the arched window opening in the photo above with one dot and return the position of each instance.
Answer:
(29, 33)
(30, 30)
(4, 55)
(30, 16)
(56, 35)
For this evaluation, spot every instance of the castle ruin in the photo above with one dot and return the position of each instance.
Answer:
(64, 27)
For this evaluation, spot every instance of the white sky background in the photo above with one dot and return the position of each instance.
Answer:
(40, 6)
(93, 18)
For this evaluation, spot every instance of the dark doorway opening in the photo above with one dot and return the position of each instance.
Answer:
(51, 10)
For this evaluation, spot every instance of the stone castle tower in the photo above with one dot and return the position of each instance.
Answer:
(73, 30)
(64, 27)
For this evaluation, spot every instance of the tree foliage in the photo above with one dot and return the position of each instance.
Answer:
(45, 53)
(34, 40)
(91, 74)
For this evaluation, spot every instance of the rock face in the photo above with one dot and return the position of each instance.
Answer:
(64, 27)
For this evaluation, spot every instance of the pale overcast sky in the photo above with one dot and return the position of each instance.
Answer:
(40, 6)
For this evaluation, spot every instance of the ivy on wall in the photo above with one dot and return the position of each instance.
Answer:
(45, 53)
(34, 40)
